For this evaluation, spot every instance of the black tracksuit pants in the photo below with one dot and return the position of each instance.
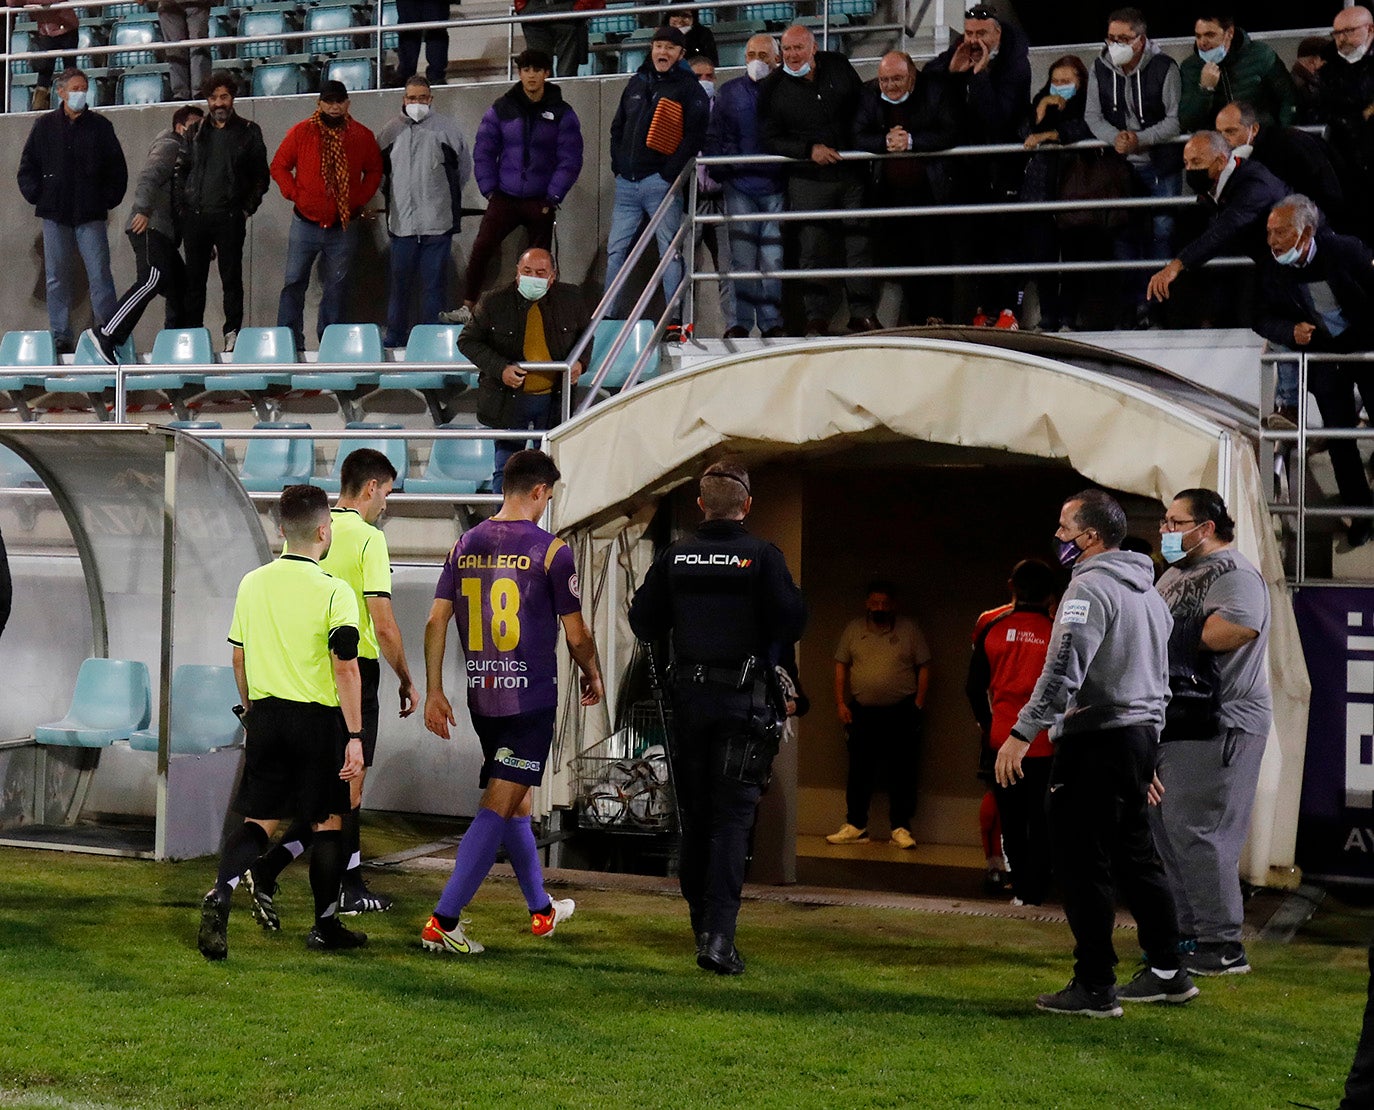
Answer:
(160, 273)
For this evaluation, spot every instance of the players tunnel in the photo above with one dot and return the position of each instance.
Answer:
(123, 540)
(933, 463)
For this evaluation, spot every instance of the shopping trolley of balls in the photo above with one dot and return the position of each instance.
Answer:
(623, 782)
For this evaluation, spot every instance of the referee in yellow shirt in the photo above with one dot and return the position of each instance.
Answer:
(295, 638)
(358, 555)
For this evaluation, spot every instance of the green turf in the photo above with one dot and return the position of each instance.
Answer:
(105, 1001)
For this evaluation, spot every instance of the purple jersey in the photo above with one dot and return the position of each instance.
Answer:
(509, 581)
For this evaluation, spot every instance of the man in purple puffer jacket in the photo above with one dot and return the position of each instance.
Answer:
(527, 156)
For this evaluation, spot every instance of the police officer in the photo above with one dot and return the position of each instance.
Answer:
(730, 605)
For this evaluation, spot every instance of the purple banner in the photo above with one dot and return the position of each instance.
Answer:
(1336, 823)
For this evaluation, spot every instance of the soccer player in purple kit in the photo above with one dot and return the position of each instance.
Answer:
(507, 584)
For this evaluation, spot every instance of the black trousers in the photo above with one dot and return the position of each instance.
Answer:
(884, 746)
(1026, 829)
(566, 43)
(204, 235)
(1333, 384)
(503, 215)
(160, 273)
(716, 811)
(1359, 1084)
(436, 40)
(1102, 847)
(833, 243)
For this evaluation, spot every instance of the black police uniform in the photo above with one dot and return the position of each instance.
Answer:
(730, 604)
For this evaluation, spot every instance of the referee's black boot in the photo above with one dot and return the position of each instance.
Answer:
(330, 936)
(721, 956)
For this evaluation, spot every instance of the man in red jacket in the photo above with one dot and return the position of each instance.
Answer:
(328, 167)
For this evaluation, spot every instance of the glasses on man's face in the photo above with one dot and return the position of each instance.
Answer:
(1169, 524)
(1122, 40)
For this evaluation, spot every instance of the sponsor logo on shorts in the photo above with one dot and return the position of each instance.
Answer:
(507, 758)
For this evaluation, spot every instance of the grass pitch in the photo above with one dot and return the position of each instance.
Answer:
(104, 1001)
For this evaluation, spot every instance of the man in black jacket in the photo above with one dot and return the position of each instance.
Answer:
(1345, 92)
(1318, 295)
(72, 171)
(1240, 191)
(536, 319)
(907, 110)
(1301, 161)
(659, 125)
(225, 175)
(807, 110)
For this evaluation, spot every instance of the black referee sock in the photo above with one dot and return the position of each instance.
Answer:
(245, 844)
(353, 869)
(326, 873)
(273, 862)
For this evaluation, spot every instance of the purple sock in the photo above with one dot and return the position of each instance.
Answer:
(524, 857)
(476, 854)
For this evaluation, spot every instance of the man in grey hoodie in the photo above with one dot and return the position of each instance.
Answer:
(1102, 695)
(154, 234)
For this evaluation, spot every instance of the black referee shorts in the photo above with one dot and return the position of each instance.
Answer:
(293, 753)
(370, 670)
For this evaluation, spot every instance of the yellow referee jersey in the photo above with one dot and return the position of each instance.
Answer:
(358, 555)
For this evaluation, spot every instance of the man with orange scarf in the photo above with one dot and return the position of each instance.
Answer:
(328, 167)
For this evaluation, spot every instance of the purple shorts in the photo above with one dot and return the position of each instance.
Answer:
(515, 748)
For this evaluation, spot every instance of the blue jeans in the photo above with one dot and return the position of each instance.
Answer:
(528, 410)
(426, 256)
(334, 247)
(634, 200)
(1286, 381)
(756, 246)
(1148, 235)
(61, 244)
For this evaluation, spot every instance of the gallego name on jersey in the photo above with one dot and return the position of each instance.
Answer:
(493, 562)
(695, 560)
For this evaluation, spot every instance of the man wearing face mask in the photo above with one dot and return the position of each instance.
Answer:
(1131, 104)
(1346, 92)
(1216, 726)
(907, 110)
(1102, 695)
(328, 167)
(1240, 193)
(224, 178)
(536, 318)
(749, 190)
(711, 202)
(1318, 295)
(72, 171)
(1227, 64)
(882, 673)
(426, 163)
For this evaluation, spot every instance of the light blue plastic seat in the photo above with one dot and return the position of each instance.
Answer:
(134, 31)
(634, 49)
(457, 466)
(144, 85)
(431, 343)
(269, 465)
(216, 445)
(263, 22)
(93, 385)
(25, 348)
(394, 449)
(330, 17)
(176, 347)
(286, 75)
(777, 13)
(203, 700)
(614, 24)
(360, 343)
(256, 346)
(21, 42)
(112, 701)
(391, 40)
(606, 331)
(354, 68)
(15, 473)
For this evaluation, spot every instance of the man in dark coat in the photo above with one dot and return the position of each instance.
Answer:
(1301, 161)
(1318, 295)
(1345, 92)
(537, 318)
(807, 110)
(72, 171)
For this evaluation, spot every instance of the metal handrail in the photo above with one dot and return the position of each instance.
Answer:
(1008, 209)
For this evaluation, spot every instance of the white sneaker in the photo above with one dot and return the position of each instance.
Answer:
(848, 834)
(902, 839)
(230, 338)
(543, 924)
(438, 939)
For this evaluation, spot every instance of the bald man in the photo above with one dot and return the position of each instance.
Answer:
(536, 318)
(1346, 92)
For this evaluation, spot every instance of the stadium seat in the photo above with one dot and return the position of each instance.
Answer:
(203, 700)
(341, 343)
(265, 19)
(21, 91)
(119, 11)
(258, 346)
(91, 386)
(592, 66)
(100, 86)
(606, 332)
(433, 343)
(269, 465)
(391, 40)
(112, 701)
(15, 473)
(853, 10)
(612, 24)
(216, 445)
(91, 32)
(634, 49)
(144, 85)
(21, 42)
(331, 17)
(287, 75)
(25, 348)
(393, 449)
(707, 16)
(182, 347)
(457, 466)
(355, 68)
(134, 31)
(780, 14)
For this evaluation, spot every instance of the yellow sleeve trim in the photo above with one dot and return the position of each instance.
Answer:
(552, 552)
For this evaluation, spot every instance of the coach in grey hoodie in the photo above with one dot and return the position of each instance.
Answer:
(1102, 695)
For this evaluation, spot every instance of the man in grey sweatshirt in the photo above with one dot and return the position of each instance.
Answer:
(1102, 695)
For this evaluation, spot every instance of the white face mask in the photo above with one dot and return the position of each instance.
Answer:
(1355, 53)
(758, 69)
(895, 99)
(708, 87)
(417, 112)
(1120, 52)
(76, 100)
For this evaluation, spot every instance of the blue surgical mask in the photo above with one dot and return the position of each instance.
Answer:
(802, 72)
(1068, 92)
(895, 100)
(1069, 551)
(1213, 56)
(76, 100)
(1171, 545)
(1290, 257)
(532, 288)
